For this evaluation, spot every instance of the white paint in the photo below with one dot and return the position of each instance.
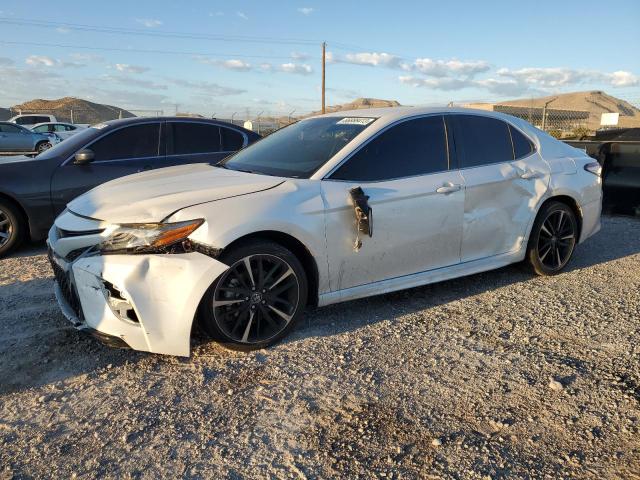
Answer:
(419, 236)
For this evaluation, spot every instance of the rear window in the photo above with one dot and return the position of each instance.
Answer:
(481, 140)
(231, 140)
(522, 147)
(190, 138)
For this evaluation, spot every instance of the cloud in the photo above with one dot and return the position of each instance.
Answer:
(207, 88)
(372, 59)
(132, 81)
(216, 14)
(300, 56)
(126, 68)
(306, 10)
(63, 30)
(300, 69)
(444, 68)
(558, 77)
(237, 65)
(242, 15)
(441, 83)
(4, 61)
(41, 60)
(47, 62)
(149, 22)
(623, 79)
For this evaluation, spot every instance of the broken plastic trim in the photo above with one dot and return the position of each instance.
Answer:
(363, 213)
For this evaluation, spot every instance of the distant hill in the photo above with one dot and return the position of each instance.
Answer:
(360, 103)
(84, 111)
(5, 114)
(595, 102)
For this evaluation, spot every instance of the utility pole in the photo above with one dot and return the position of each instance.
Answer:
(324, 61)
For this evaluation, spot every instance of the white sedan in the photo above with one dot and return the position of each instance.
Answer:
(62, 130)
(332, 208)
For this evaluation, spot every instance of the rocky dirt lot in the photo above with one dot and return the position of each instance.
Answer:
(496, 375)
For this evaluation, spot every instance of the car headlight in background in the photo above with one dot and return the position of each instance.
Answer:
(148, 237)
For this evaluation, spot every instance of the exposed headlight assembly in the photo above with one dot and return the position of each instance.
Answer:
(148, 237)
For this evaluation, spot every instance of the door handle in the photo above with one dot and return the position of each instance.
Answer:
(530, 175)
(448, 188)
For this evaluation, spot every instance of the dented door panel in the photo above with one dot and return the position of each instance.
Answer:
(500, 202)
(413, 228)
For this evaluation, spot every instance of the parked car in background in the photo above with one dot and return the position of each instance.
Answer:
(15, 138)
(32, 119)
(332, 208)
(34, 190)
(62, 130)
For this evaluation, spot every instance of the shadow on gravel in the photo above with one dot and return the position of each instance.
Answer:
(39, 346)
(349, 316)
(30, 249)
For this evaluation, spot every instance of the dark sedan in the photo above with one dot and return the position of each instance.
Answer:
(33, 191)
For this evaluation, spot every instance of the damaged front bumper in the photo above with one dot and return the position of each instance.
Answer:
(146, 302)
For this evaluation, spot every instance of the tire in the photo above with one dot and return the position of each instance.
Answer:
(553, 239)
(11, 227)
(42, 146)
(240, 310)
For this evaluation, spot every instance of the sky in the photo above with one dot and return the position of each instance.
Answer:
(217, 57)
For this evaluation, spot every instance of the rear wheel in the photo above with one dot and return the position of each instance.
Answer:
(10, 227)
(42, 146)
(257, 301)
(553, 239)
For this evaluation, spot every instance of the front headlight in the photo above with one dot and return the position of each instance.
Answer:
(147, 237)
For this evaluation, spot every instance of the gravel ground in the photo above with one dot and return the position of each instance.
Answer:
(496, 375)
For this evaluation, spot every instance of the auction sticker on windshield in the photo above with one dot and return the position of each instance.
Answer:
(355, 121)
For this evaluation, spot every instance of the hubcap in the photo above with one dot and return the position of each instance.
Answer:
(556, 240)
(6, 228)
(256, 298)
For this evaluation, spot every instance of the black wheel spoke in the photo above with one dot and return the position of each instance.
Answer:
(256, 298)
(556, 239)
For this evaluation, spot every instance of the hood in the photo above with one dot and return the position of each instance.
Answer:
(154, 195)
(16, 159)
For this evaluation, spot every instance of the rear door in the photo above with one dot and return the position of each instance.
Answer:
(502, 191)
(15, 139)
(196, 142)
(127, 150)
(416, 197)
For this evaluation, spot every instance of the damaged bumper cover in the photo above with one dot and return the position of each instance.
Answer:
(146, 302)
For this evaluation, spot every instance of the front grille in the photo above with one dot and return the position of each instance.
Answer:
(66, 287)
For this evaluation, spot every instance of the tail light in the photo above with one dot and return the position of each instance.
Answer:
(594, 167)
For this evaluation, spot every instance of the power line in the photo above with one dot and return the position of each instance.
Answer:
(138, 50)
(162, 34)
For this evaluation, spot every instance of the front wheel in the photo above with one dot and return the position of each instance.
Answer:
(10, 228)
(258, 300)
(553, 239)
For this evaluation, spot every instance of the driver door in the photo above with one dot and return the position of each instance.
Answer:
(417, 203)
(122, 152)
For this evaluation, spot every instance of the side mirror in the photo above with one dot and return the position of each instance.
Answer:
(84, 157)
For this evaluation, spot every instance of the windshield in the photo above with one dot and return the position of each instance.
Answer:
(300, 149)
(71, 144)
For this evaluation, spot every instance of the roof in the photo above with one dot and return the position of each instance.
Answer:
(134, 120)
(397, 113)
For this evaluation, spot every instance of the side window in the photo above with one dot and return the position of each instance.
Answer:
(136, 141)
(231, 140)
(9, 128)
(69, 128)
(40, 119)
(414, 147)
(59, 127)
(521, 144)
(41, 129)
(190, 137)
(481, 140)
(24, 121)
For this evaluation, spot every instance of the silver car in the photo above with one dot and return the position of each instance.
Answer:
(15, 138)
